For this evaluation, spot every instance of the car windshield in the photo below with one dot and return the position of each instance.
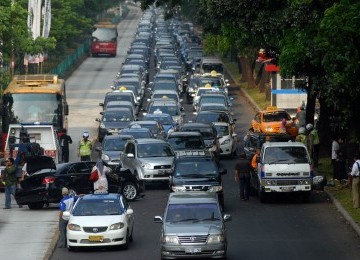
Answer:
(112, 144)
(117, 116)
(197, 168)
(213, 99)
(98, 207)
(192, 212)
(222, 130)
(286, 155)
(211, 117)
(185, 142)
(164, 86)
(154, 150)
(164, 120)
(171, 110)
(276, 116)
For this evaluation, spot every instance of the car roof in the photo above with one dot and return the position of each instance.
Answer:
(195, 125)
(184, 134)
(123, 137)
(192, 197)
(149, 140)
(283, 144)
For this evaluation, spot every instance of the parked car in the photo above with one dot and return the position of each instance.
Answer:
(44, 186)
(193, 226)
(100, 220)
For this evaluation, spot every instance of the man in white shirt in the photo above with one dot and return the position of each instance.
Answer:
(355, 181)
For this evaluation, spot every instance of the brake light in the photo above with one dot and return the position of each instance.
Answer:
(48, 180)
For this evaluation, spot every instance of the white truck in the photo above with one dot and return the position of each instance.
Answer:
(284, 167)
(44, 135)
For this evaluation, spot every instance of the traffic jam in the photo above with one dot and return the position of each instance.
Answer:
(145, 136)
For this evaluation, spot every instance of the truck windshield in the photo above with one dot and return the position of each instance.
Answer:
(286, 155)
(31, 108)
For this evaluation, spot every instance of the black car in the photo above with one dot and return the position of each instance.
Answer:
(44, 186)
(197, 173)
(255, 140)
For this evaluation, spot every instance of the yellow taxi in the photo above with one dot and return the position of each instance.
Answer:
(273, 120)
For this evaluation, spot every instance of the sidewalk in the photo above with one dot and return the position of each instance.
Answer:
(27, 234)
(337, 204)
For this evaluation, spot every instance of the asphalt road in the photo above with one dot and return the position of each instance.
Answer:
(284, 228)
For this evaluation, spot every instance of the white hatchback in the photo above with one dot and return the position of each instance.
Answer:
(98, 220)
(227, 138)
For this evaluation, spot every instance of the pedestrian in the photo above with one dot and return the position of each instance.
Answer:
(101, 184)
(301, 116)
(301, 137)
(85, 147)
(316, 150)
(340, 164)
(242, 175)
(255, 159)
(355, 181)
(10, 181)
(309, 141)
(66, 204)
(65, 140)
(334, 154)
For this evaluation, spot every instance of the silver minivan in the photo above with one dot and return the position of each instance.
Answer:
(193, 226)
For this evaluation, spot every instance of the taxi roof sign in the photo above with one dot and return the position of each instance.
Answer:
(271, 108)
(122, 88)
(207, 85)
(213, 73)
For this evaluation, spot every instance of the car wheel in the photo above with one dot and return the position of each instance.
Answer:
(36, 205)
(262, 196)
(131, 238)
(126, 245)
(130, 191)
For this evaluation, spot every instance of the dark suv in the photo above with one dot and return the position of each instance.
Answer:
(197, 173)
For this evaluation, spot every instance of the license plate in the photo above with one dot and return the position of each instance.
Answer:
(193, 250)
(96, 238)
(161, 172)
(287, 189)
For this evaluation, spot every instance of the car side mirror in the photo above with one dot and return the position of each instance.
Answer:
(158, 219)
(129, 211)
(130, 155)
(66, 215)
(227, 217)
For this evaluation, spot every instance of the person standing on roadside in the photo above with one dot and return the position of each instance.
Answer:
(66, 204)
(355, 181)
(85, 147)
(9, 177)
(316, 146)
(334, 154)
(310, 141)
(242, 175)
(301, 116)
(65, 140)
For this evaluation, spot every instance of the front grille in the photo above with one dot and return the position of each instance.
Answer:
(182, 253)
(288, 174)
(159, 167)
(192, 239)
(287, 182)
(95, 229)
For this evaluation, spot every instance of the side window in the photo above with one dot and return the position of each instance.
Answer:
(79, 168)
(132, 148)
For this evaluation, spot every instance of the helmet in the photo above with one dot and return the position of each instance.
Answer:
(302, 130)
(309, 127)
(86, 134)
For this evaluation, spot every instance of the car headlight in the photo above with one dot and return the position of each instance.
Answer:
(215, 188)
(146, 166)
(171, 240)
(74, 227)
(215, 239)
(105, 157)
(227, 141)
(178, 188)
(116, 226)
(102, 125)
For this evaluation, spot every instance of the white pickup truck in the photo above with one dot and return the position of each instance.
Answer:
(284, 167)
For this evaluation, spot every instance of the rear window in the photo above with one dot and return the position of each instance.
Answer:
(186, 142)
(286, 155)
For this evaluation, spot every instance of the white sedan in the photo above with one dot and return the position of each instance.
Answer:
(98, 220)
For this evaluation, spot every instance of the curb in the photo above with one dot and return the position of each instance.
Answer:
(52, 246)
(337, 204)
(345, 214)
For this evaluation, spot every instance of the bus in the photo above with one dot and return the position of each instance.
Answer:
(104, 39)
(34, 100)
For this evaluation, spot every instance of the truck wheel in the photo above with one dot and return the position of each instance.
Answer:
(262, 196)
(306, 197)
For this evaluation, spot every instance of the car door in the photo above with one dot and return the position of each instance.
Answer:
(79, 174)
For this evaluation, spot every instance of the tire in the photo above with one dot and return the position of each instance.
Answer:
(36, 205)
(262, 196)
(127, 239)
(130, 191)
(306, 197)
(131, 237)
